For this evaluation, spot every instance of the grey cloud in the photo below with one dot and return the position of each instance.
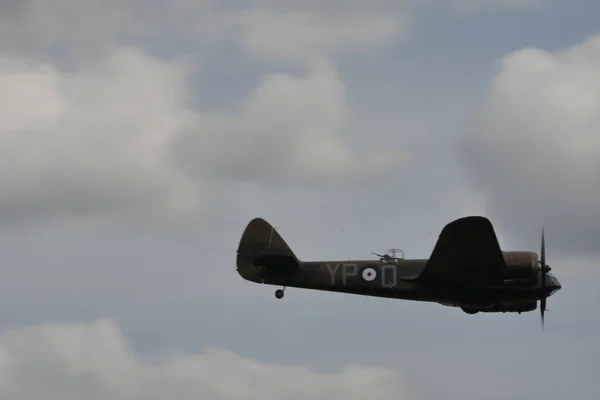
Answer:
(81, 32)
(301, 36)
(85, 28)
(471, 6)
(119, 139)
(289, 130)
(341, 7)
(333, 7)
(533, 148)
(96, 141)
(183, 291)
(92, 143)
(94, 361)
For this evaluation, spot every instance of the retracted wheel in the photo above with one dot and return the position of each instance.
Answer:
(279, 293)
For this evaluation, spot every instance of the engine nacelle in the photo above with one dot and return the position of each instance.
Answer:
(521, 265)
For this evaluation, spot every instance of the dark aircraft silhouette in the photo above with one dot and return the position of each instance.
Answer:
(467, 269)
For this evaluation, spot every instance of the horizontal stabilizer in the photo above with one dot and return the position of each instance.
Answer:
(276, 260)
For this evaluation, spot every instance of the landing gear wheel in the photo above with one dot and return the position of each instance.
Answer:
(279, 293)
(470, 310)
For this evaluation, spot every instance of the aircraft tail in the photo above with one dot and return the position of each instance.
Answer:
(261, 247)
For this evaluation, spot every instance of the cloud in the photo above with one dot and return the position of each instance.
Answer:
(533, 150)
(94, 361)
(87, 29)
(302, 35)
(468, 6)
(120, 138)
(92, 141)
(83, 28)
(290, 129)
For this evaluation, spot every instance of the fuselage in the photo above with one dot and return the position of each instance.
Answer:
(399, 279)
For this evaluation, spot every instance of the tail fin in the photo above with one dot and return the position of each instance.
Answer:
(262, 246)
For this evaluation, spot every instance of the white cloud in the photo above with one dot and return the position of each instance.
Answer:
(96, 138)
(94, 361)
(92, 141)
(289, 128)
(99, 140)
(534, 149)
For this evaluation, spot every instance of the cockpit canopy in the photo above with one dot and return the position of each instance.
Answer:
(391, 256)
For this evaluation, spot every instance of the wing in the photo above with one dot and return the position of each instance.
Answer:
(467, 252)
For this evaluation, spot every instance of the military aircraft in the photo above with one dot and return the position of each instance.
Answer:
(466, 269)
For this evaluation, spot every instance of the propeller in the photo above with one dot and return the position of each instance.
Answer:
(544, 269)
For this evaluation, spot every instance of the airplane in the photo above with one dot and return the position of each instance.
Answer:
(466, 269)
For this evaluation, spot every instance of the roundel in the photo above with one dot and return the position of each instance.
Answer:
(369, 274)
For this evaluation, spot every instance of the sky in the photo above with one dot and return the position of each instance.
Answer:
(138, 138)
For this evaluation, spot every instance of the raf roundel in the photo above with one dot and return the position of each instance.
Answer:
(369, 274)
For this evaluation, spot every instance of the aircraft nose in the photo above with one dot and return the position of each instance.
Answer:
(554, 284)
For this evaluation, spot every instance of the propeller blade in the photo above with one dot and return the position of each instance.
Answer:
(543, 310)
(543, 270)
(543, 252)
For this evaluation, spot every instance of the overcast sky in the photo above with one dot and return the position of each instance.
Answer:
(137, 139)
